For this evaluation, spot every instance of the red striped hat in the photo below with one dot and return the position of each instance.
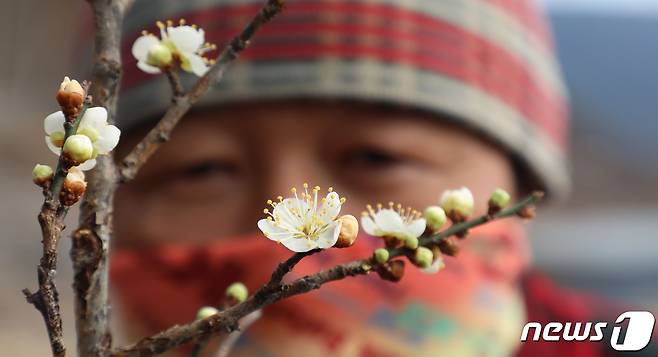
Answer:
(488, 64)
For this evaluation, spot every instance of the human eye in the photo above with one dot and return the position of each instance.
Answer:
(371, 158)
(200, 179)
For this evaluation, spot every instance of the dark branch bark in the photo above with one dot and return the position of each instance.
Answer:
(46, 298)
(160, 133)
(89, 251)
(227, 320)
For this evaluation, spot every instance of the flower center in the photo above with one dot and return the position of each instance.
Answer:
(305, 215)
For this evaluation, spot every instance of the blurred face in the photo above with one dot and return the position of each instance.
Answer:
(213, 178)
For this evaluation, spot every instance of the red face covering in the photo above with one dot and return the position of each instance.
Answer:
(470, 307)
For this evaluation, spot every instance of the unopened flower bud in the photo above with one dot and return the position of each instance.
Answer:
(448, 246)
(70, 96)
(42, 175)
(499, 199)
(392, 270)
(458, 204)
(411, 242)
(237, 293)
(205, 312)
(78, 149)
(423, 257)
(349, 229)
(159, 55)
(435, 217)
(73, 188)
(381, 255)
(527, 212)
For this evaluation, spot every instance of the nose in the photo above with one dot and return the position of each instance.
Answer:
(292, 169)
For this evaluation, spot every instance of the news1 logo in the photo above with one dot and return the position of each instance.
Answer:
(638, 332)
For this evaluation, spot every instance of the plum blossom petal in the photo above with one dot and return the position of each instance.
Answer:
(195, 64)
(108, 138)
(329, 237)
(94, 117)
(56, 150)
(148, 68)
(416, 228)
(272, 231)
(142, 46)
(54, 123)
(369, 226)
(87, 165)
(330, 207)
(388, 222)
(186, 38)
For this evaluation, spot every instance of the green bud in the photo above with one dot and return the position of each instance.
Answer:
(381, 255)
(435, 217)
(159, 56)
(205, 312)
(42, 174)
(423, 257)
(78, 148)
(237, 291)
(499, 199)
(411, 242)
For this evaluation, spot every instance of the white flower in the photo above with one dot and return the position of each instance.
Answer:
(436, 266)
(302, 223)
(185, 43)
(390, 222)
(458, 204)
(93, 124)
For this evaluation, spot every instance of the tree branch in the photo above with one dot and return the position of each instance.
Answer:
(227, 320)
(91, 241)
(131, 164)
(51, 219)
(46, 298)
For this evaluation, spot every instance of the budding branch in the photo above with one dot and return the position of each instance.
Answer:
(227, 320)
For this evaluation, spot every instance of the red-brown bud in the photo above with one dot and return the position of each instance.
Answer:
(392, 270)
(74, 187)
(70, 97)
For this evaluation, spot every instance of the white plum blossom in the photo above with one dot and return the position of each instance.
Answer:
(183, 43)
(93, 124)
(304, 222)
(393, 222)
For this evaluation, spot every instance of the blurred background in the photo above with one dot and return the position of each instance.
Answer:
(602, 240)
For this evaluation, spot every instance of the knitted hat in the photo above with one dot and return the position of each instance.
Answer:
(486, 64)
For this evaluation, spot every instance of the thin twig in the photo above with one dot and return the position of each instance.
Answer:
(227, 320)
(231, 339)
(89, 250)
(174, 80)
(131, 164)
(286, 267)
